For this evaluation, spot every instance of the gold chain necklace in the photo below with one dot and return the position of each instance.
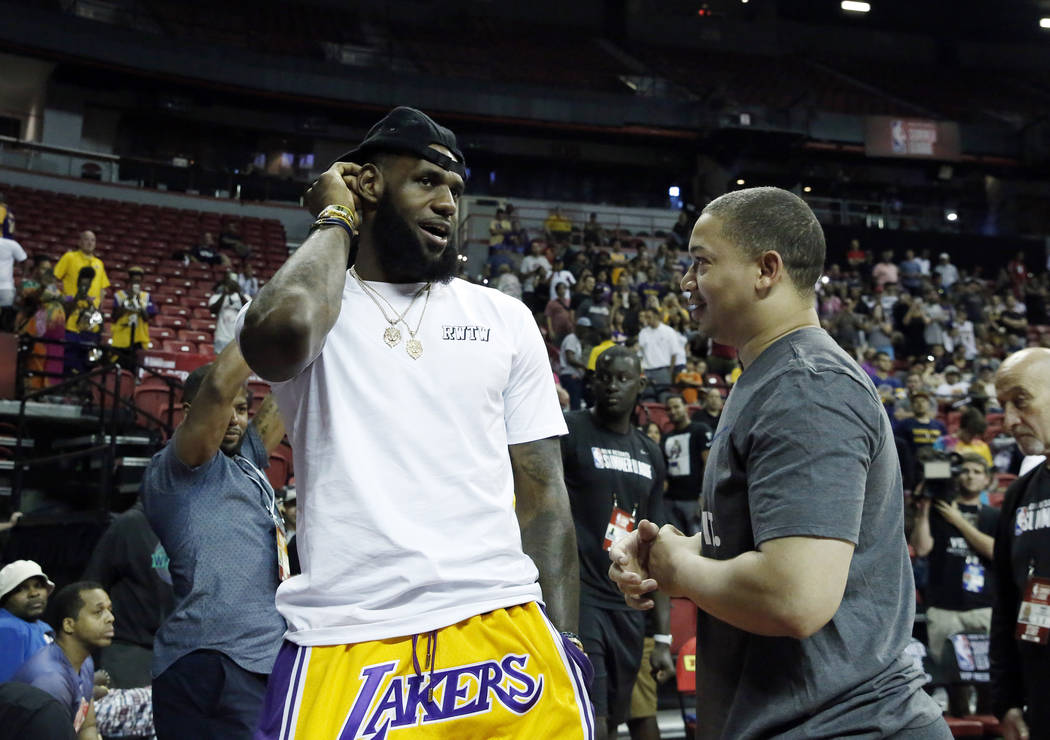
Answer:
(392, 335)
(413, 346)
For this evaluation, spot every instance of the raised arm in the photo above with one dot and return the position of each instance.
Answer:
(199, 435)
(286, 325)
(269, 424)
(547, 533)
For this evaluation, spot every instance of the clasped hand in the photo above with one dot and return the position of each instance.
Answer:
(645, 561)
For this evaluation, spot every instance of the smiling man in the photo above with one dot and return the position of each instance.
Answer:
(24, 589)
(433, 518)
(800, 571)
(213, 510)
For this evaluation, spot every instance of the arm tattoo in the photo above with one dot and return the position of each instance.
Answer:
(547, 532)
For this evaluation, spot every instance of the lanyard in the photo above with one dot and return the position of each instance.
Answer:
(269, 497)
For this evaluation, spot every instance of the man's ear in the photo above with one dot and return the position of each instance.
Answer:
(770, 270)
(69, 625)
(370, 185)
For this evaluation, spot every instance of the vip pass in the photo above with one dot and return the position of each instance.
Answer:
(392, 335)
(335, 215)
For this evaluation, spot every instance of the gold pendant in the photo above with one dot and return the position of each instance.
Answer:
(392, 336)
(415, 348)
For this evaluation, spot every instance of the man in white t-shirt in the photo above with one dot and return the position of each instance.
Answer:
(10, 253)
(661, 352)
(433, 519)
(225, 303)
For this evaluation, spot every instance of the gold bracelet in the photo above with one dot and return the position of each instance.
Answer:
(340, 212)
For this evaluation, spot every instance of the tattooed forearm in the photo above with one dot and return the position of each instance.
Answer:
(547, 533)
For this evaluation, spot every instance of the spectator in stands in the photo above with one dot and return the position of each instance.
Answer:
(573, 361)
(885, 271)
(132, 566)
(661, 353)
(884, 375)
(948, 273)
(10, 253)
(508, 283)
(215, 513)
(535, 272)
(711, 409)
(7, 219)
(225, 303)
(1012, 323)
(132, 310)
(954, 387)
(230, 239)
(685, 450)
(593, 233)
(958, 544)
(43, 315)
(910, 272)
(985, 381)
(910, 319)
(72, 262)
(937, 315)
(289, 506)
(967, 439)
(602, 341)
(556, 227)
(690, 382)
(83, 324)
(64, 668)
(683, 226)
(560, 275)
(1021, 667)
(519, 235)
(606, 499)
(24, 589)
(500, 228)
(207, 252)
(921, 431)
(559, 317)
(247, 280)
(598, 307)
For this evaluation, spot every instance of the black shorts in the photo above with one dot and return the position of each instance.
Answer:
(612, 639)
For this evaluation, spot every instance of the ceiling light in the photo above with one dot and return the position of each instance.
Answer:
(740, 181)
(853, 6)
(807, 189)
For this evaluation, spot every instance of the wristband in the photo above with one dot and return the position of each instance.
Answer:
(665, 639)
(341, 223)
(337, 211)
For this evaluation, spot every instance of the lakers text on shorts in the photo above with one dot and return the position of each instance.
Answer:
(503, 674)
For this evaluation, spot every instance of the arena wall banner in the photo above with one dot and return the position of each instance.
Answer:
(886, 136)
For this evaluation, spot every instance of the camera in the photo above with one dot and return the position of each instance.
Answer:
(939, 470)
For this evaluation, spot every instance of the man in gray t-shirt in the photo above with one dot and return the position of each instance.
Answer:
(800, 570)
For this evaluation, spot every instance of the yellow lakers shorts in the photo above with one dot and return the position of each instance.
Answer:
(504, 674)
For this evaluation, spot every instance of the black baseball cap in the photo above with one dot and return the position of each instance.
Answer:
(410, 131)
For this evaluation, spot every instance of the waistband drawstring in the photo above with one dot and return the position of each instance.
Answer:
(430, 660)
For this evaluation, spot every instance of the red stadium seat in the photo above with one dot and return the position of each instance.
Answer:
(205, 325)
(178, 345)
(191, 335)
(202, 313)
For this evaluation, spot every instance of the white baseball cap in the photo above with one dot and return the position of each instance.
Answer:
(15, 574)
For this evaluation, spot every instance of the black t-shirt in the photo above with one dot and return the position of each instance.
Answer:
(131, 564)
(960, 579)
(599, 465)
(701, 416)
(684, 455)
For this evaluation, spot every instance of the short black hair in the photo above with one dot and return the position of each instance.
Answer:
(68, 602)
(763, 219)
(679, 396)
(86, 273)
(192, 384)
(193, 381)
(617, 352)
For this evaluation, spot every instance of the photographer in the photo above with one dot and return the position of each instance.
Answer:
(225, 303)
(958, 542)
(132, 310)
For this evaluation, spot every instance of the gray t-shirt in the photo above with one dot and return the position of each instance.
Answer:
(216, 522)
(804, 448)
